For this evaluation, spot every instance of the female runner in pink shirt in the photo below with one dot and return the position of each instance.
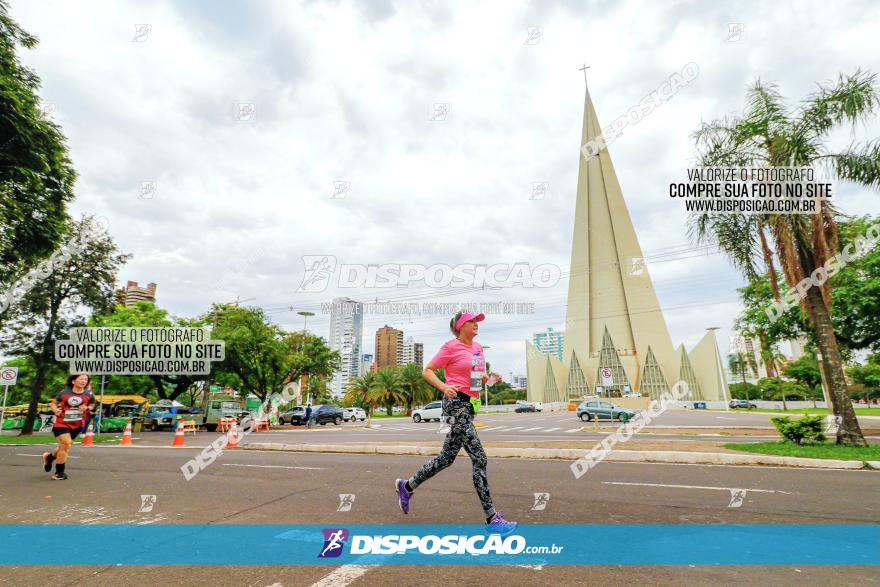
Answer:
(465, 367)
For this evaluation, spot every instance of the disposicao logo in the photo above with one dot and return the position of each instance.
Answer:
(334, 541)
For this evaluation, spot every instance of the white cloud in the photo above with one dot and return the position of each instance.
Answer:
(344, 92)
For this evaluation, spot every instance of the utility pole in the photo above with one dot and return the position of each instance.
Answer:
(305, 314)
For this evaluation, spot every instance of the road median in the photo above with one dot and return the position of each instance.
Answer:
(572, 454)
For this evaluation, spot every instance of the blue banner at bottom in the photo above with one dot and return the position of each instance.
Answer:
(420, 544)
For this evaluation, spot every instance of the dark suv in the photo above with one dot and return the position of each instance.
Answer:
(327, 413)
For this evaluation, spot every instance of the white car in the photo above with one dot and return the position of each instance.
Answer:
(538, 406)
(353, 414)
(432, 411)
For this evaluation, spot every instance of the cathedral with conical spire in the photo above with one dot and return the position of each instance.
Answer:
(616, 340)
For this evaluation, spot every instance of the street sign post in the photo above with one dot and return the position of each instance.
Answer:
(8, 376)
(607, 377)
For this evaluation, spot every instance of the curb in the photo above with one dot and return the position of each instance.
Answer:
(573, 454)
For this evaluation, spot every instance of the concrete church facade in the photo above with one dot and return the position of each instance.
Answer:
(614, 325)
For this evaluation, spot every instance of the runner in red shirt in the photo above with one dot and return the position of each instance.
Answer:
(71, 407)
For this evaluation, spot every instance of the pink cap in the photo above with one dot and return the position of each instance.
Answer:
(467, 317)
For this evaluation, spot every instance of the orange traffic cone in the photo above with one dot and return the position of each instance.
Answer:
(89, 438)
(178, 436)
(232, 437)
(126, 436)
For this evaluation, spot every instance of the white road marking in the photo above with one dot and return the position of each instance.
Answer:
(552, 429)
(531, 429)
(693, 487)
(274, 466)
(342, 576)
(493, 428)
(572, 430)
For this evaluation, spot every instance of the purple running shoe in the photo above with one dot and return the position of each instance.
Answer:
(402, 495)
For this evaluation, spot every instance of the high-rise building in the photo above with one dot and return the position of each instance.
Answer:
(549, 342)
(616, 338)
(346, 336)
(413, 352)
(389, 347)
(366, 363)
(134, 293)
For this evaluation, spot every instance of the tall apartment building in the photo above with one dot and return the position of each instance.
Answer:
(389, 347)
(346, 336)
(134, 293)
(366, 363)
(549, 342)
(413, 352)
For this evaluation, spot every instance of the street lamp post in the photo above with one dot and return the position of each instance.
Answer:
(305, 314)
(719, 365)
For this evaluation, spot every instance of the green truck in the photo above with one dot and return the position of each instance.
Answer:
(214, 408)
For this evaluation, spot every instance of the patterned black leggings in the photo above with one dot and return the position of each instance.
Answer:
(461, 433)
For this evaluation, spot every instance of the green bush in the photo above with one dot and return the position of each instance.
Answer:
(808, 427)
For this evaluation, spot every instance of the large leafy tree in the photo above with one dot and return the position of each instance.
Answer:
(36, 175)
(310, 355)
(856, 300)
(261, 357)
(146, 314)
(256, 352)
(771, 134)
(867, 375)
(85, 281)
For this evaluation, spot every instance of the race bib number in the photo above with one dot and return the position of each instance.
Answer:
(476, 380)
(73, 416)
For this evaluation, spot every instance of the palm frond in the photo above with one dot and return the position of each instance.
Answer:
(852, 100)
(859, 164)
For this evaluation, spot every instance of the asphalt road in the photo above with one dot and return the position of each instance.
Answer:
(549, 426)
(106, 484)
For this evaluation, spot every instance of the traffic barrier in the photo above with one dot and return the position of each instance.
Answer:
(89, 438)
(126, 435)
(178, 436)
(189, 426)
(261, 424)
(232, 438)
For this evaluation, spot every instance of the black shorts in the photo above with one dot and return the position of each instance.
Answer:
(74, 432)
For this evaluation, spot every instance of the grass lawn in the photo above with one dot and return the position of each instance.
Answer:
(812, 450)
(384, 415)
(49, 439)
(824, 411)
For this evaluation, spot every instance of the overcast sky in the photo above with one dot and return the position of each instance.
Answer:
(346, 92)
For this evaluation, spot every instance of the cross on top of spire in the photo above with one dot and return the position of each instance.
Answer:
(584, 69)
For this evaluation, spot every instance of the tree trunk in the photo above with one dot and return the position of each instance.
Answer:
(160, 387)
(849, 432)
(36, 394)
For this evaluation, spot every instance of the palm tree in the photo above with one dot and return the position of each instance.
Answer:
(768, 134)
(772, 360)
(416, 389)
(358, 390)
(388, 389)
